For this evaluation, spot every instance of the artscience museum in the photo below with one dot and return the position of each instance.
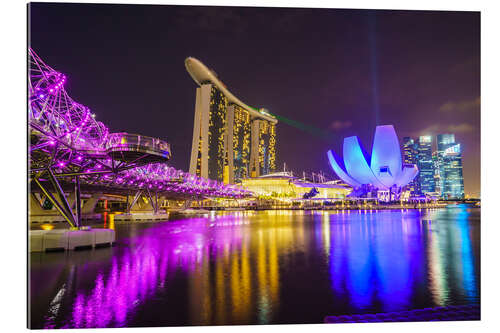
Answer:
(382, 171)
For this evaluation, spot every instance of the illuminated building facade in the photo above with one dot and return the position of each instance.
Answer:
(449, 162)
(231, 140)
(437, 160)
(383, 170)
(216, 125)
(263, 157)
(241, 142)
(410, 153)
(441, 171)
(425, 164)
(283, 185)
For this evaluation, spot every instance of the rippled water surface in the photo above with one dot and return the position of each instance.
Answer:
(262, 268)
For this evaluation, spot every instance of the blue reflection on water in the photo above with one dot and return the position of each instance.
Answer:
(467, 259)
(381, 258)
(359, 264)
(464, 263)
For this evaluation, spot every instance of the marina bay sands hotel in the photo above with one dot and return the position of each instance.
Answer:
(231, 140)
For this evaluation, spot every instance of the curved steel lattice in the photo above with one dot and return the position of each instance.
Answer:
(67, 142)
(54, 114)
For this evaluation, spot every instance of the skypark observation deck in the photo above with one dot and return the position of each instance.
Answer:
(69, 148)
(201, 74)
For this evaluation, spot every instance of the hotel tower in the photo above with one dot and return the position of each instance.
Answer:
(231, 140)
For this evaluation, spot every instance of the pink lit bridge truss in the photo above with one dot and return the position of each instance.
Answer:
(70, 151)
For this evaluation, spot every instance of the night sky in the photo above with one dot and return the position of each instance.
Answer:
(336, 72)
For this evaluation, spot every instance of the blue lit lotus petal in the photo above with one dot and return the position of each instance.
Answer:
(386, 155)
(383, 170)
(338, 167)
(407, 175)
(355, 160)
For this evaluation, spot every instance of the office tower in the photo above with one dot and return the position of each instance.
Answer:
(410, 154)
(425, 164)
(437, 161)
(450, 164)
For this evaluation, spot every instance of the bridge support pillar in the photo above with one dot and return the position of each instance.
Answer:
(88, 206)
(35, 207)
(153, 199)
(143, 201)
(59, 201)
(187, 204)
(136, 197)
(78, 202)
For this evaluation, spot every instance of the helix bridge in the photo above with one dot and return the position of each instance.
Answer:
(70, 151)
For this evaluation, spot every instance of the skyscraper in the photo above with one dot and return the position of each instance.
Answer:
(262, 159)
(425, 164)
(231, 140)
(241, 142)
(410, 154)
(449, 153)
(437, 160)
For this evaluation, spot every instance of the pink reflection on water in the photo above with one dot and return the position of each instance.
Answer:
(141, 270)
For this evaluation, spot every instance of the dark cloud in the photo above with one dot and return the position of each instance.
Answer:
(340, 125)
(462, 106)
(436, 129)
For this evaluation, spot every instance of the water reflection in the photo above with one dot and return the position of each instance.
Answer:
(458, 258)
(262, 267)
(376, 257)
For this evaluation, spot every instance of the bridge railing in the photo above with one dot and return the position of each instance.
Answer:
(135, 142)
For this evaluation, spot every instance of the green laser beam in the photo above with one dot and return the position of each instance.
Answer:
(313, 130)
